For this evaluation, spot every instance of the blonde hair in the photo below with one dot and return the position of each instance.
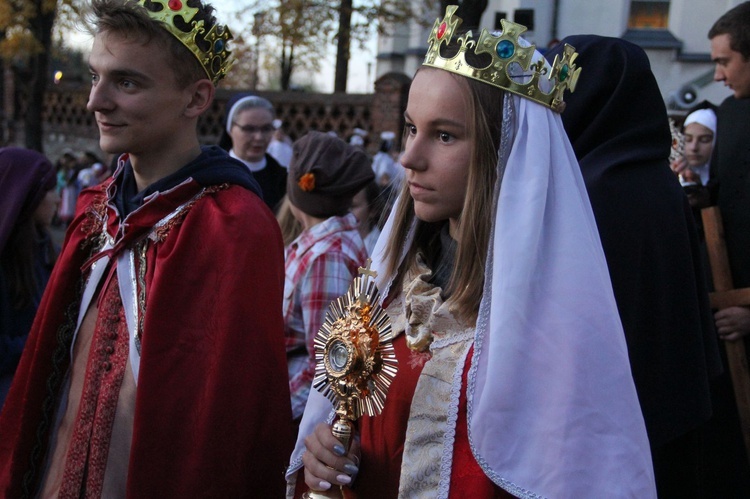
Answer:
(484, 118)
(290, 227)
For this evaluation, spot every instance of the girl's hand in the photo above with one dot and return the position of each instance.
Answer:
(326, 461)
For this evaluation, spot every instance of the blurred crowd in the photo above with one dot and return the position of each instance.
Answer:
(74, 172)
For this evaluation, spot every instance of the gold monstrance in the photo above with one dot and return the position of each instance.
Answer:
(355, 360)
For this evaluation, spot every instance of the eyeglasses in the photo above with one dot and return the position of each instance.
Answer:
(252, 130)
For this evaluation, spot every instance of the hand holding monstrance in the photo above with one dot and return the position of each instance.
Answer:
(355, 360)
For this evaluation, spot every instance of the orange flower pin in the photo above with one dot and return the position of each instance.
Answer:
(307, 182)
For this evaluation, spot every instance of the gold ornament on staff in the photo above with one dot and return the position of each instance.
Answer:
(355, 359)
(677, 152)
(678, 141)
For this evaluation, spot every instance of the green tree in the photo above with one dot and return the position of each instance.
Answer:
(242, 69)
(26, 42)
(302, 30)
(295, 34)
(356, 22)
(359, 21)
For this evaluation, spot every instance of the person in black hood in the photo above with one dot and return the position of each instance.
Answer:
(617, 123)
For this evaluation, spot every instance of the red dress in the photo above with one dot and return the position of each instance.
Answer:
(382, 439)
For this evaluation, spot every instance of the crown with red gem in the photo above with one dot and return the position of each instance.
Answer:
(209, 47)
(511, 68)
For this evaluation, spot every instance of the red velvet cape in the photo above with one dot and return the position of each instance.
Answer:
(212, 414)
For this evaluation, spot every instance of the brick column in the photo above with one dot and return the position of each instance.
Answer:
(388, 106)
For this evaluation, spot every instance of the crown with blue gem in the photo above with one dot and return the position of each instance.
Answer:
(209, 47)
(511, 68)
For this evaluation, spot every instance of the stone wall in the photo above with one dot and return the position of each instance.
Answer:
(68, 124)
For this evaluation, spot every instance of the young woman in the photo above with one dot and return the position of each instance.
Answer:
(513, 376)
(324, 175)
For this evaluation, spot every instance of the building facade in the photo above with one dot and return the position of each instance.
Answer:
(672, 32)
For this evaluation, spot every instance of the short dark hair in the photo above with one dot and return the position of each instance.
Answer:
(127, 18)
(735, 23)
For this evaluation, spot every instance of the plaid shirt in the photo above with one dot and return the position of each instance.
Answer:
(320, 265)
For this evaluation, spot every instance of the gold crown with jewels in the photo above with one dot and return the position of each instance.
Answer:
(210, 48)
(505, 50)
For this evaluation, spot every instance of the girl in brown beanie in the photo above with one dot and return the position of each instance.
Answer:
(324, 175)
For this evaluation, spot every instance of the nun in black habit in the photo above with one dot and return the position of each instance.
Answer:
(617, 123)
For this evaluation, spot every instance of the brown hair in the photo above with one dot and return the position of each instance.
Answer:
(484, 119)
(735, 23)
(130, 20)
(290, 227)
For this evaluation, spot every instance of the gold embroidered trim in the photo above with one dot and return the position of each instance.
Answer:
(163, 227)
(140, 250)
(94, 225)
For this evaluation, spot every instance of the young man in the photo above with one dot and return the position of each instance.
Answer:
(155, 366)
(730, 50)
(728, 471)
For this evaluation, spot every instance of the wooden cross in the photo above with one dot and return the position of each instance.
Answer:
(723, 297)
